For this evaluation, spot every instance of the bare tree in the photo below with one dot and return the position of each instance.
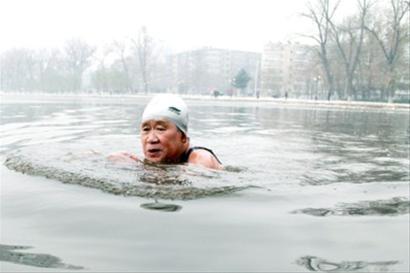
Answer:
(144, 48)
(2, 72)
(78, 56)
(321, 13)
(390, 35)
(48, 66)
(368, 68)
(101, 77)
(121, 49)
(18, 70)
(349, 38)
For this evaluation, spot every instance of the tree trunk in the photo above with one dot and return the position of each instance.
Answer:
(329, 78)
(390, 84)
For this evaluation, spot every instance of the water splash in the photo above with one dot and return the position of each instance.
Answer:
(92, 169)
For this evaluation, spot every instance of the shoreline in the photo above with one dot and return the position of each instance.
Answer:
(30, 96)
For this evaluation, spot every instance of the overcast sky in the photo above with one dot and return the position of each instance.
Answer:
(179, 24)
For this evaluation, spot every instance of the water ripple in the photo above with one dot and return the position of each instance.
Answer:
(390, 207)
(313, 263)
(13, 254)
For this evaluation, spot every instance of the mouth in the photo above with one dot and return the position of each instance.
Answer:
(154, 152)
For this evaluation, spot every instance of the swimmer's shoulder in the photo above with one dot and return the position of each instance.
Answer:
(205, 158)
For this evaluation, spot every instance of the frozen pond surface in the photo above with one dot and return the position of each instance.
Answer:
(306, 189)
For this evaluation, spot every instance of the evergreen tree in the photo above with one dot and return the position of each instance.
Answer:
(241, 80)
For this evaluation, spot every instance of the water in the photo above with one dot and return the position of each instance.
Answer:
(317, 189)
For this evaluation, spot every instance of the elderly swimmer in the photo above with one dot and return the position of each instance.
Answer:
(164, 136)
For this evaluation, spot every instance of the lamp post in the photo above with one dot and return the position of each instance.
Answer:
(255, 90)
(313, 92)
(316, 85)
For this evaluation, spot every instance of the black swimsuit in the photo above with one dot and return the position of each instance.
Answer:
(185, 156)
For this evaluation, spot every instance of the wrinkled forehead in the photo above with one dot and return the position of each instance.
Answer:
(158, 121)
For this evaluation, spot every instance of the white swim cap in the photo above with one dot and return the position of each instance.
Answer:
(170, 107)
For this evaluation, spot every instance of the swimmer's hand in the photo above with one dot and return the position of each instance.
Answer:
(123, 157)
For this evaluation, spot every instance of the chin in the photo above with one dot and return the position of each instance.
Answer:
(154, 159)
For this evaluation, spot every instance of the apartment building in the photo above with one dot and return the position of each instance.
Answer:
(204, 70)
(285, 69)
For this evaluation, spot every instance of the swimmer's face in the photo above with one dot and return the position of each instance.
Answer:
(161, 141)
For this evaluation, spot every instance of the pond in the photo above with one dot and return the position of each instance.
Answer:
(305, 188)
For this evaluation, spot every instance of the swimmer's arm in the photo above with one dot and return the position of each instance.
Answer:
(205, 159)
(123, 157)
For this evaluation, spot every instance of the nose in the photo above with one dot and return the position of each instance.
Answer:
(152, 137)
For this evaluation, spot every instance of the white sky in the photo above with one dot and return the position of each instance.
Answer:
(180, 24)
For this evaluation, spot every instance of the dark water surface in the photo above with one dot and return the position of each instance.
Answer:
(306, 189)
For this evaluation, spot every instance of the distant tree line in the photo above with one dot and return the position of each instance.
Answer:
(47, 70)
(363, 56)
(134, 65)
(127, 66)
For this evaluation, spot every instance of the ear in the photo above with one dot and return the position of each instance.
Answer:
(184, 138)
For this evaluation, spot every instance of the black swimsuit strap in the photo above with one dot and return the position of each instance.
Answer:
(186, 155)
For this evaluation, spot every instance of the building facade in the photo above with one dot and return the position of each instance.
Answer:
(207, 69)
(285, 70)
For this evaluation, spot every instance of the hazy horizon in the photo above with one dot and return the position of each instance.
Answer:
(177, 25)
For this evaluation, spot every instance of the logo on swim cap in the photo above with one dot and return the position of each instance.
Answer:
(175, 110)
(170, 107)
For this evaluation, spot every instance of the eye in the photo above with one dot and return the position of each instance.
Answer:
(160, 128)
(145, 129)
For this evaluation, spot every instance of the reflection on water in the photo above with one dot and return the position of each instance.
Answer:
(345, 158)
(13, 254)
(321, 162)
(390, 207)
(27, 124)
(313, 263)
(159, 206)
(265, 146)
(358, 147)
(321, 146)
